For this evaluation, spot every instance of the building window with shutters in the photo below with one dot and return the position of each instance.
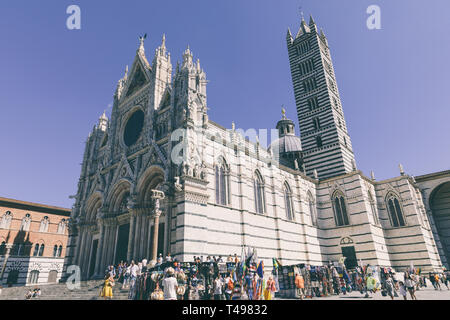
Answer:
(26, 222)
(34, 277)
(5, 223)
(44, 225)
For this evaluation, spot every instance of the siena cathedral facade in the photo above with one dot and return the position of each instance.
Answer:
(159, 177)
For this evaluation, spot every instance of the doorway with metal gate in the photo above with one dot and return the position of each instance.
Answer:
(349, 254)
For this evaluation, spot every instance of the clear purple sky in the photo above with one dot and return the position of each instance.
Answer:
(55, 83)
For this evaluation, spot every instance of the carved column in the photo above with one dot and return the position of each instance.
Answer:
(156, 216)
(137, 235)
(131, 236)
(98, 258)
(81, 249)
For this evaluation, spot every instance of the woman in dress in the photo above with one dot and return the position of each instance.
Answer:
(107, 292)
(270, 289)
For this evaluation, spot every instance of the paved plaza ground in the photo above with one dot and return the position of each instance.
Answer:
(428, 293)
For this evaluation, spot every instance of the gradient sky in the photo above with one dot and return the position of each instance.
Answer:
(55, 82)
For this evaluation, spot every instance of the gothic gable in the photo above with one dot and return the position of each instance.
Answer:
(138, 80)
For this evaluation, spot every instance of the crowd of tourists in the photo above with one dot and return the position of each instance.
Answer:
(243, 278)
(328, 280)
(35, 293)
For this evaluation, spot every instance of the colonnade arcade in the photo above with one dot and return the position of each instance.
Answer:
(128, 224)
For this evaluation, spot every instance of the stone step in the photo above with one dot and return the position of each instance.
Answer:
(90, 290)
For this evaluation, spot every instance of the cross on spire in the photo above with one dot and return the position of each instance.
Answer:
(301, 12)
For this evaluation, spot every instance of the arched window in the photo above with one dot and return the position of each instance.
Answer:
(36, 250)
(26, 222)
(41, 250)
(3, 248)
(312, 209)
(258, 186)
(288, 204)
(319, 141)
(395, 211)
(34, 276)
(62, 227)
(55, 250)
(59, 251)
(44, 225)
(5, 223)
(340, 210)
(373, 209)
(18, 249)
(222, 183)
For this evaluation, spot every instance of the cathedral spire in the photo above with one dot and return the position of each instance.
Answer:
(103, 121)
(187, 57)
(289, 36)
(311, 21)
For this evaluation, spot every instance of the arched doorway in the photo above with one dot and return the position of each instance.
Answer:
(440, 208)
(153, 178)
(119, 207)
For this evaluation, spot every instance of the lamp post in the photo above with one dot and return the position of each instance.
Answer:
(157, 196)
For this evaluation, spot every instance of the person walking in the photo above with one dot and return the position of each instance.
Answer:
(170, 285)
(445, 280)
(402, 290)
(437, 281)
(389, 286)
(300, 284)
(409, 283)
(433, 280)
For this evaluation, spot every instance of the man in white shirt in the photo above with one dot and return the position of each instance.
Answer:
(170, 285)
(218, 288)
(134, 269)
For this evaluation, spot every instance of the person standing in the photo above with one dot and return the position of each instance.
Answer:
(218, 288)
(170, 285)
(107, 292)
(126, 277)
(134, 269)
(402, 290)
(270, 289)
(228, 286)
(300, 284)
